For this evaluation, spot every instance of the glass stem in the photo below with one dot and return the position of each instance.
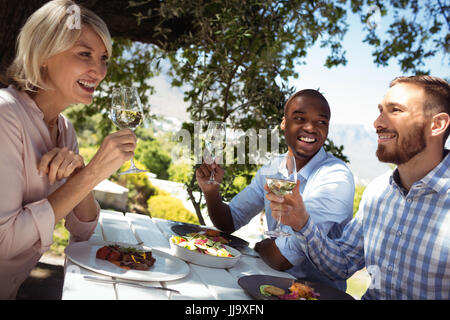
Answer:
(278, 227)
(132, 166)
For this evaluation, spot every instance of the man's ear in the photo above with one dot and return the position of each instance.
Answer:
(283, 123)
(439, 124)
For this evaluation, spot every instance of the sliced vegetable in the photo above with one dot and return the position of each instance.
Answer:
(202, 244)
(264, 293)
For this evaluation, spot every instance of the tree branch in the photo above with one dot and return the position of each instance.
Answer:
(441, 7)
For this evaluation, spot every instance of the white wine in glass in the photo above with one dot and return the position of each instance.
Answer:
(126, 118)
(282, 187)
(127, 112)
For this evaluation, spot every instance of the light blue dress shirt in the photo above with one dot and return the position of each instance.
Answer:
(327, 187)
(401, 237)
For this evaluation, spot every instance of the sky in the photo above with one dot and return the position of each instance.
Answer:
(353, 91)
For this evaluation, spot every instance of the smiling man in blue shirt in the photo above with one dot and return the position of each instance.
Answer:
(401, 232)
(326, 184)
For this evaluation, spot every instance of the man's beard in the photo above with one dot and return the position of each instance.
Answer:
(406, 149)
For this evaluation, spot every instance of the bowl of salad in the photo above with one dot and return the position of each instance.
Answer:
(202, 250)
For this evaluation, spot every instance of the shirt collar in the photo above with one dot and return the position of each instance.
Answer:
(437, 179)
(312, 164)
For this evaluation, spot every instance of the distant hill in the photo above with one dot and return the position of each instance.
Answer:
(360, 145)
(165, 124)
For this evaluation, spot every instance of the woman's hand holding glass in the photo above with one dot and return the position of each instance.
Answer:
(115, 149)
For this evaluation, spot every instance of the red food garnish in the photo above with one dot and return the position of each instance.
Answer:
(289, 296)
(200, 241)
(103, 252)
(114, 256)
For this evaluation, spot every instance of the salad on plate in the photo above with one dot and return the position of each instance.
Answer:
(201, 243)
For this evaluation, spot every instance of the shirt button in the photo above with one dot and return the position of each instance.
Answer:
(408, 200)
(390, 268)
(399, 233)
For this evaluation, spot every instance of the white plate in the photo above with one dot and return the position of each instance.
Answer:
(205, 259)
(165, 268)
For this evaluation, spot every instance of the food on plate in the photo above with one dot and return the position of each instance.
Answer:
(280, 187)
(126, 258)
(298, 291)
(269, 290)
(201, 243)
(214, 235)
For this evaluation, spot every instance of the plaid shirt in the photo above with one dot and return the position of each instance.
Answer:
(402, 238)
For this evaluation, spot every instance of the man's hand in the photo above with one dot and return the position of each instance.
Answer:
(60, 163)
(290, 208)
(219, 212)
(204, 172)
(270, 253)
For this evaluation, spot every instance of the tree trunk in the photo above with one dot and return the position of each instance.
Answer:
(196, 205)
(190, 190)
(121, 21)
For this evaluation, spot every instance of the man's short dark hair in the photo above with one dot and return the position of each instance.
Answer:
(306, 93)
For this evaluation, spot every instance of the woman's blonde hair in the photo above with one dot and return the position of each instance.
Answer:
(52, 29)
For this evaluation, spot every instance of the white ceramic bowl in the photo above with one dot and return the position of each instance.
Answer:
(205, 259)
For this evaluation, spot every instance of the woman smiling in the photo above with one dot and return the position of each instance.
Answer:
(44, 179)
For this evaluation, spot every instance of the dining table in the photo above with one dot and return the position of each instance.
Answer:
(197, 282)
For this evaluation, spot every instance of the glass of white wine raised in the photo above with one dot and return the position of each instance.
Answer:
(281, 187)
(127, 112)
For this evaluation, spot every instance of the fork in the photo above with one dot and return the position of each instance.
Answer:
(136, 284)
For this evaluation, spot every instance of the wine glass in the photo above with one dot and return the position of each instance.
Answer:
(282, 186)
(215, 139)
(127, 112)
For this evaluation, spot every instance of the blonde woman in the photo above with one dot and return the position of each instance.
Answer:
(62, 54)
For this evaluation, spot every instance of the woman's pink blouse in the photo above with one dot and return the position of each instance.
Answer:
(26, 217)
